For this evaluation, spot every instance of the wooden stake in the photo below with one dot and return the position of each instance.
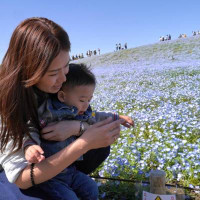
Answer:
(157, 182)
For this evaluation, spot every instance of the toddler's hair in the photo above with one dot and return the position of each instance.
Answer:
(79, 74)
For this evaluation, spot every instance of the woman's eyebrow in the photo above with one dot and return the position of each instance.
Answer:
(55, 70)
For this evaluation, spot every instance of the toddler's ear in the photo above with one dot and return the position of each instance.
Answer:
(61, 96)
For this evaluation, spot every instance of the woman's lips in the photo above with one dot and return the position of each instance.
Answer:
(58, 87)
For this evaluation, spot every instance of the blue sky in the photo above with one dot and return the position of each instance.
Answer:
(93, 24)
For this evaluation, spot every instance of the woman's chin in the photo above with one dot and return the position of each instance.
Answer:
(55, 89)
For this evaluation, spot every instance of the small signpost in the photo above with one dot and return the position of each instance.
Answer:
(150, 196)
(157, 187)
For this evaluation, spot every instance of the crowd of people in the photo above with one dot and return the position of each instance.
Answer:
(182, 35)
(120, 47)
(194, 33)
(76, 57)
(95, 52)
(89, 53)
(164, 38)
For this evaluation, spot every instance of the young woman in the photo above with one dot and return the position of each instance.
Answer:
(33, 67)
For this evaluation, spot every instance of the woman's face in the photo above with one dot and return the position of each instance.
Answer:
(53, 79)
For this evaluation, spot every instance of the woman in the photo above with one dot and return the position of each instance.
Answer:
(34, 66)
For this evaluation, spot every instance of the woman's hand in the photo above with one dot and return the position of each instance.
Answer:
(102, 134)
(99, 135)
(60, 131)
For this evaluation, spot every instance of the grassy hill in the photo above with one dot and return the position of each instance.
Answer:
(179, 50)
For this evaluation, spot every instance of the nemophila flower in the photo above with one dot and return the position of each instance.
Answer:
(196, 191)
(99, 184)
(103, 195)
(140, 172)
(101, 173)
(191, 186)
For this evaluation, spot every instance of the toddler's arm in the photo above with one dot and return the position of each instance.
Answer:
(99, 116)
(32, 150)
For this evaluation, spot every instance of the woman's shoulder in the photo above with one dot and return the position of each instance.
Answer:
(12, 163)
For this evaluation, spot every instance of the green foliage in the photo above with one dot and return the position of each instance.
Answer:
(122, 190)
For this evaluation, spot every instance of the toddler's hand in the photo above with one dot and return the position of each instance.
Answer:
(33, 154)
(128, 121)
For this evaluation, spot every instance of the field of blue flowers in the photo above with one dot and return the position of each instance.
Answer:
(164, 101)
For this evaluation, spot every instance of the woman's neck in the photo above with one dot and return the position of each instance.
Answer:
(41, 96)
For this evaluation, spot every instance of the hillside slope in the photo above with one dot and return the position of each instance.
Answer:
(184, 50)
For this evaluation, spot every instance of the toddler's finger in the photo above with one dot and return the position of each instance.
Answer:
(35, 154)
(39, 149)
(127, 125)
(48, 136)
(41, 158)
(46, 129)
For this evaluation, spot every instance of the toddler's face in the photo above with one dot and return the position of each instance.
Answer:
(79, 96)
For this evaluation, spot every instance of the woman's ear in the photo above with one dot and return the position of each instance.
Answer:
(61, 96)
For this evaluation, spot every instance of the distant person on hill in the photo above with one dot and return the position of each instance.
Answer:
(125, 46)
(184, 35)
(71, 103)
(99, 50)
(166, 37)
(117, 47)
(180, 36)
(194, 33)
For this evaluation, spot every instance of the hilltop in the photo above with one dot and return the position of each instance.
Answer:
(184, 51)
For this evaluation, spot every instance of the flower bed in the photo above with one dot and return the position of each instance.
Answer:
(164, 102)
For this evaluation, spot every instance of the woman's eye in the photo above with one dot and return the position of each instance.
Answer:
(81, 101)
(53, 75)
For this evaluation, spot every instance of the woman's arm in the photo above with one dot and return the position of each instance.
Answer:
(53, 165)
(101, 134)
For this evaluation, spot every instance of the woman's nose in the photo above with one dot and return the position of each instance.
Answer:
(64, 78)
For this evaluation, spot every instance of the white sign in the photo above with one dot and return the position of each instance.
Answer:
(150, 196)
